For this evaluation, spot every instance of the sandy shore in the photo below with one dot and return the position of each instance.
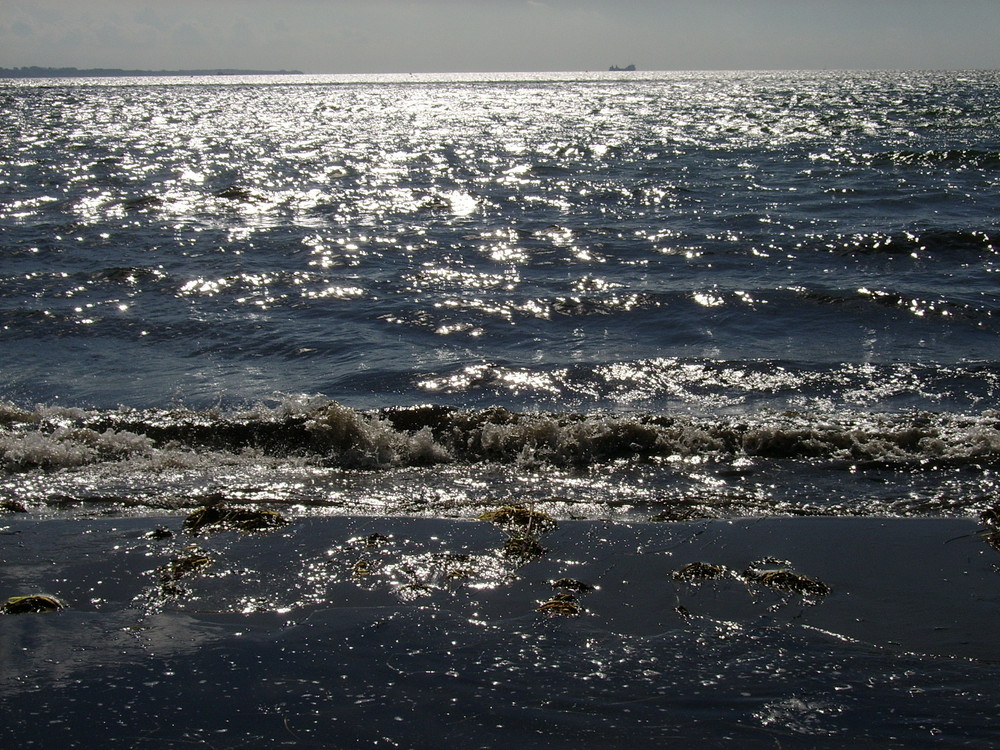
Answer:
(357, 631)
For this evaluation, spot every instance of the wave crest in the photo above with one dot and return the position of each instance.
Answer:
(327, 433)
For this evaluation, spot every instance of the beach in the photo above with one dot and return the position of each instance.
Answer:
(363, 631)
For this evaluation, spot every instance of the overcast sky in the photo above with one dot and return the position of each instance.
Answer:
(401, 36)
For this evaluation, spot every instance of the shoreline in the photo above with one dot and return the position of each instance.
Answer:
(409, 611)
(900, 564)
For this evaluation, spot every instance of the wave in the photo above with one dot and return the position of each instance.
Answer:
(959, 157)
(717, 386)
(932, 241)
(326, 433)
(953, 310)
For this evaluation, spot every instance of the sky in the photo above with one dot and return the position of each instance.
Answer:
(425, 36)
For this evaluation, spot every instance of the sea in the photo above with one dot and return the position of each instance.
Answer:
(674, 300)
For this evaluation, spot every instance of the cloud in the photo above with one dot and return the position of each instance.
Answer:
(147, 16)
(187, 36)
(21, 29)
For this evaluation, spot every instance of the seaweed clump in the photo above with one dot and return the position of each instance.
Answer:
(770, 572)
(181, 567)
(520, 517)
(561, 605)
(990, 518)
(684, 513)
(32, 603)
(373, 540)
(523, 547)
(362, 568)
(524, 527)
(566, 603)
(220, 517)
(701, 571)
(784, 579)
(572, 584)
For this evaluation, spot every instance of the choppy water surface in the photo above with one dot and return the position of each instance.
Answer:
(659, 299)
(648, 274)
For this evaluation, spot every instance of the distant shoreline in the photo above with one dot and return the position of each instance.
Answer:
(37, 72)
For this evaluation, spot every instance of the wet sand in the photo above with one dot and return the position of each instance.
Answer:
(359, 631)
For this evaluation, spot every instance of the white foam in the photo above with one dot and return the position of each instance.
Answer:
(367, 441)
(67, 447)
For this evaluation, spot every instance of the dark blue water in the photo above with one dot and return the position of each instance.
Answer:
(644, 300)
(652, 269)
(376, 241)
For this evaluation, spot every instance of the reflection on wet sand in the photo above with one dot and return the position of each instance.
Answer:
(333, 618)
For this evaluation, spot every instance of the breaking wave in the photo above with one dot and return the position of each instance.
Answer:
(326, 433)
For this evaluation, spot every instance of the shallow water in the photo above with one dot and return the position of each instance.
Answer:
(340, 632)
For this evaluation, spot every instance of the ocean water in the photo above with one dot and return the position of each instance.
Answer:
(667, 285)
(647, 296)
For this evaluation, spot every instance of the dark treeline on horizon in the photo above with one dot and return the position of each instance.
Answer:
(36, 72)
